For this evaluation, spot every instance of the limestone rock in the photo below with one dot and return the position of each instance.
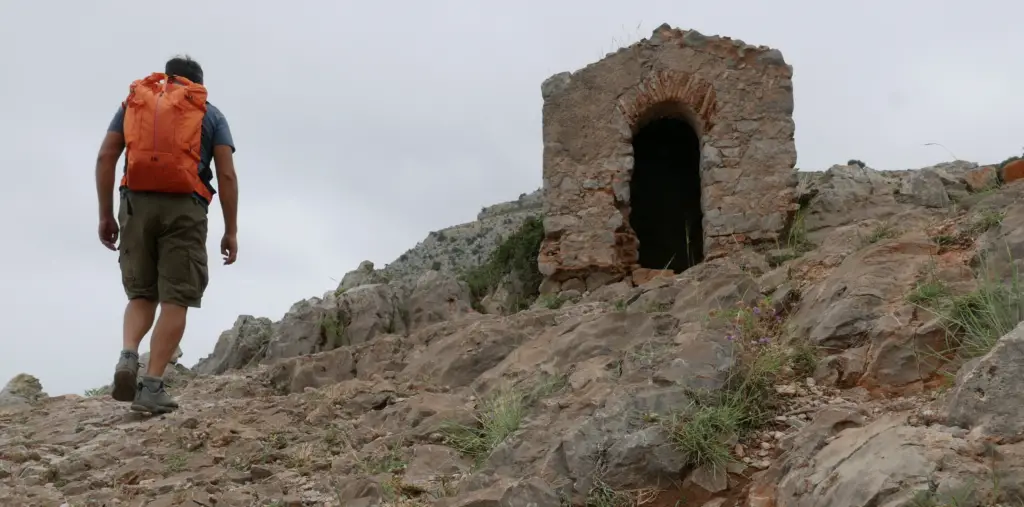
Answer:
(988, 397)
(244, 344)
(924, 187)
(850, 193)
(363, 275)
(22, 389)
(863, 301)
(982, 178)
(884, 463)
(437, 297)
(456, 249)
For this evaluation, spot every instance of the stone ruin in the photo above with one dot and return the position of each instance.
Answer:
(668, 152)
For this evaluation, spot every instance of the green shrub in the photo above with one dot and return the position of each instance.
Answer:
(516, 256)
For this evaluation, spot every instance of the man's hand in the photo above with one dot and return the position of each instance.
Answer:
(229, 248)
(108, 232)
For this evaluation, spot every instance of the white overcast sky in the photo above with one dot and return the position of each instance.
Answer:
(361, 126)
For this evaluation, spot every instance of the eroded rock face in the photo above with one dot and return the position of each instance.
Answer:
(238, 347)
(846, 194)
(883, 463)
(861, 308)
(435, 298)
(988, 397)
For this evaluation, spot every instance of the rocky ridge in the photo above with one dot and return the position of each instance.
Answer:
(460, 247)
(870, 359)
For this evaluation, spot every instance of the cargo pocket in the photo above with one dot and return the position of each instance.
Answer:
(127, 272)
(200, 272)
(177, 272)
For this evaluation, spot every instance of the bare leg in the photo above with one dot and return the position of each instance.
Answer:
(138, 319)
(166, 336)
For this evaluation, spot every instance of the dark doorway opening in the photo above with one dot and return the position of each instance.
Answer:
(664, 198)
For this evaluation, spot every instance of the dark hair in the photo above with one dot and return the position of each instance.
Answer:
(185, 67)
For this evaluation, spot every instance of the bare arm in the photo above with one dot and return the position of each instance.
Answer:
(227, 181)
(106, 165)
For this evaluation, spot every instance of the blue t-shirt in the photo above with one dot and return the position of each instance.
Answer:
(215, 132)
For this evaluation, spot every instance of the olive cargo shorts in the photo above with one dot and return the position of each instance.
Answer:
(163, 247)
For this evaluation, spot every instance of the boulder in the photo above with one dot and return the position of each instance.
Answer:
(244, 344)
(23, 389)
(362, 275)
(437, 297)
(850, 193)
(924, 187)
(988, 397)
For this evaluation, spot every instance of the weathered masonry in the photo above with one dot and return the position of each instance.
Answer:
(670, 151)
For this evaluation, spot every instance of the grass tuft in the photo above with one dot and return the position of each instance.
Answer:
(880, 232)
(497, 417)
(748, 400)
(974, 321)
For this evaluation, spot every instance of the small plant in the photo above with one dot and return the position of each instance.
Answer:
(96, 391)
(498, 416)
(516, 256)
(960, 497)
(175, 463)
(301, 457)
(388, 462)
(978, 319)
(547, 386)
(332, 331)
(447, 486)
(748, 400)
(975, 321)
(796, 238)
(881, 231)
(621, 305)
(986, 220)
(602, 495)
(944, 240)
(928, 293)
(856, 162)
(552, 301)
(645, 355)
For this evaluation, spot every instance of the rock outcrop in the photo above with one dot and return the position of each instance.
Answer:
(23, 389)
(808, 373)
(458, 248)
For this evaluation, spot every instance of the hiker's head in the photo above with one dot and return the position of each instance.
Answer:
(185, 67)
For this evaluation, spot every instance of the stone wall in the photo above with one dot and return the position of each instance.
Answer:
(738, 98)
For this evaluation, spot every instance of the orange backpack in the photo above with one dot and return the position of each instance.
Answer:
(163, 134)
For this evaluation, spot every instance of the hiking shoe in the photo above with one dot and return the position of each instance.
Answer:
(153, 398)
(127, 369)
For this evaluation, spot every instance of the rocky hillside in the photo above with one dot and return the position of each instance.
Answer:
(871, 358)
(461, 247)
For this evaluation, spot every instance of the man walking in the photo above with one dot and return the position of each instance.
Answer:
(172, 134)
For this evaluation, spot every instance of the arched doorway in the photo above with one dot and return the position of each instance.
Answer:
(665, 210)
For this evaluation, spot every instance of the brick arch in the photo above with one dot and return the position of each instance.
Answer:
(671, 93)
(664, 94)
